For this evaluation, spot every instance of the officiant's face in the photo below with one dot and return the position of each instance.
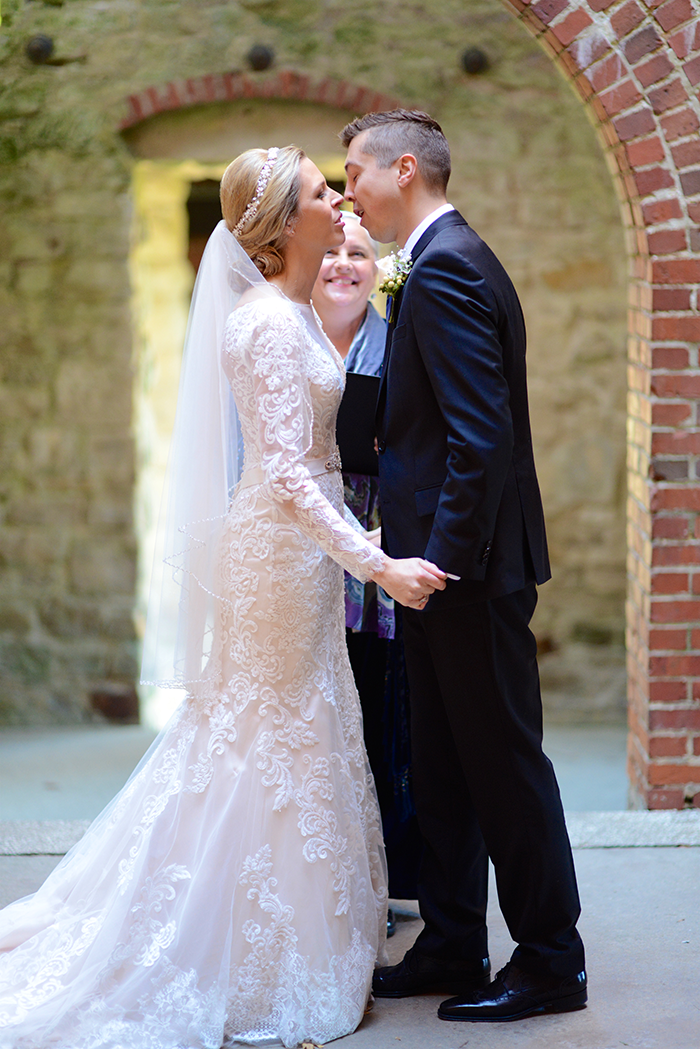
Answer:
(373, 191)
(347, 272)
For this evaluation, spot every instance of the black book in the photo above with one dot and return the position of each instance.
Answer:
(356, 427)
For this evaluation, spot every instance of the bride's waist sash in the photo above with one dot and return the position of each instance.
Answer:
(327, 464)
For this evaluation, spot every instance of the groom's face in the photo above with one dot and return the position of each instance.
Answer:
(373, 191)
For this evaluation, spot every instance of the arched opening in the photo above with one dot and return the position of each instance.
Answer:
(568, 263)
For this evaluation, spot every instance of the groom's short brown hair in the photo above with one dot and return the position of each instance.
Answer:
(397, 131)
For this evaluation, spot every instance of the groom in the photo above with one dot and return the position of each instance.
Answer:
(458, 487)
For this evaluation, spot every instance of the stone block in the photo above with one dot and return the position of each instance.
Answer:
(87, 202)
(117, 622)
(22, 704)
(111, 462)
(81, 662)
(98, 277)
(584, 681)
(28, 664)
(34, 278)
(51, 509)
(113, 511)
(35, 242)
(597, 633)
(92, 394)
(14, 619)
(109, 344)
(25, 364)
(40, 557)
(64, 617)
(57, 451)
(106, 567)
(125, 663)
(66, 705)
(106, 237)
(579, 274)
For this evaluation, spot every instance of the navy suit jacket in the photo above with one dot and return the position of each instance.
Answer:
(456, 467)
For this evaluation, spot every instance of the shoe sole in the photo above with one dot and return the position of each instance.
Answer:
(436, 988)
(569, 1004)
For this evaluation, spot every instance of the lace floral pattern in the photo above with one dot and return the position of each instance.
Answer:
(234, 891)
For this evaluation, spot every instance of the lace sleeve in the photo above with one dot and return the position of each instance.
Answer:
(284, 417)
(352, 520)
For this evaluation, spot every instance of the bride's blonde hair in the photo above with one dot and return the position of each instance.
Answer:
(264, 235)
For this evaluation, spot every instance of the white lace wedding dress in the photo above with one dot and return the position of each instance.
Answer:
(234, 891)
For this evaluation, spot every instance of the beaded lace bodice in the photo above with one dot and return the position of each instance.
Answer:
(288, 379)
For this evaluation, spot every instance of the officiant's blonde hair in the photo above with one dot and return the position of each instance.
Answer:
(263, 237)
(350, 219)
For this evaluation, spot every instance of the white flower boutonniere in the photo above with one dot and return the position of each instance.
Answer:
(396, 268)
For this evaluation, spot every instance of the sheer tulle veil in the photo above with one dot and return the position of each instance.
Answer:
(204, 465)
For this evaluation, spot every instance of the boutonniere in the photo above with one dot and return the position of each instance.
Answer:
(396, 268)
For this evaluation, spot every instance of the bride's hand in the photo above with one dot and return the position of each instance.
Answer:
(375, 537)
(411, 580)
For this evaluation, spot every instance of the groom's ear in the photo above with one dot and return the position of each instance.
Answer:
(407, 169)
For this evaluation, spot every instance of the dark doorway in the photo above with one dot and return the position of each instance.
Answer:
(203, 212)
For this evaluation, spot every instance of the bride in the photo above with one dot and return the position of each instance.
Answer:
(234, 892)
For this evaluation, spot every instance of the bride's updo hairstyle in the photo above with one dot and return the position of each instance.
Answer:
(264, 234)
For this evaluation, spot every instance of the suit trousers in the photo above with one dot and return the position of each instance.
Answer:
(483, 787)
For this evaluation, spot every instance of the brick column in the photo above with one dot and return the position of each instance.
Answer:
(636, 65)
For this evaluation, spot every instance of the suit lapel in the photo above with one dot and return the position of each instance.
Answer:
(381, 396)
(452, 218)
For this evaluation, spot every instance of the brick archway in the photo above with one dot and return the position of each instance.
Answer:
(286, 85)
(636, 66)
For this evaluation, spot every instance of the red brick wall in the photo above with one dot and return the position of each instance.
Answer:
(225, 87)
(637, 67)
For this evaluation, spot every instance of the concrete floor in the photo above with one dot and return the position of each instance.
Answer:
(66, 773)
(641, 925)
(640, 905)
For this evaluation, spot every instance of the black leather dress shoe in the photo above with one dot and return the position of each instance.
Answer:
(418, 974)
(515, 994)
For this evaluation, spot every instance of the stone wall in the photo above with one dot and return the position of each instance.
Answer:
(529, 176)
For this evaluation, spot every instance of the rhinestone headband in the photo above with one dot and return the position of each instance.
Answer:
(263, 180)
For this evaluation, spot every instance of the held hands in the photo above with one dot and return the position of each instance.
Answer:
(411, 580)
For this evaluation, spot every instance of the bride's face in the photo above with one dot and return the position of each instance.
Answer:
(319, 220)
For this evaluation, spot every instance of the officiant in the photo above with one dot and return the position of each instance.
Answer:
(373, 625)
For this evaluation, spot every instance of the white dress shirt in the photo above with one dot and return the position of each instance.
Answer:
(422, 226)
